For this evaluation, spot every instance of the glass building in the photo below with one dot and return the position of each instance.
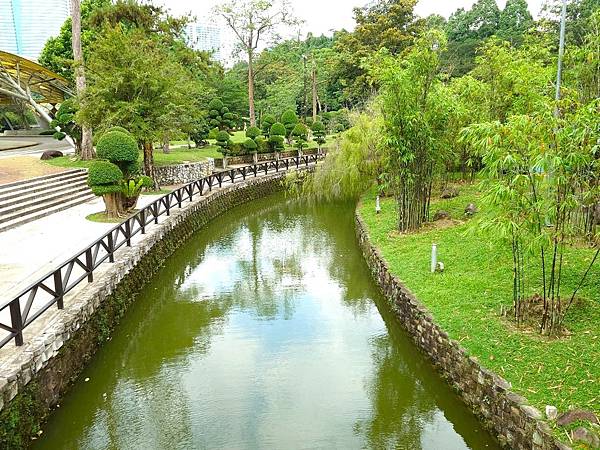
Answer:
(26, 25)
(202, 36)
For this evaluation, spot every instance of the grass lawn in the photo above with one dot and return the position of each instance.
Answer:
(179, 153)
(466, 300)
(176, 156)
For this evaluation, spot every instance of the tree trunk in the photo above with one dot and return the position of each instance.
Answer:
(87, 147)
(114, 205)
(166, 145)
(314, 93)
(251, 88)
(149, 163)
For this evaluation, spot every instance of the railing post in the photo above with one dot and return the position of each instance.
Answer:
(143, 217)
(111, 248)
(178, 194)
(128, 232)
(17, 321)
(89, 264)
(58, 288)
(155, 212)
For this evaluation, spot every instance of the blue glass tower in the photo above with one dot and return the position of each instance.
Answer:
(26, 25)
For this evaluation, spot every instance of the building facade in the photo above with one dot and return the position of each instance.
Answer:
(26, 25)
(205, 37)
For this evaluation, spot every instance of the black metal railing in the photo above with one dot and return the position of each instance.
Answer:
(56, 284)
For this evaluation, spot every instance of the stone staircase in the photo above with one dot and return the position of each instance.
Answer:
(24, 201)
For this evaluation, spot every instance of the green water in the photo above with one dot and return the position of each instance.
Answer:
(265, 331)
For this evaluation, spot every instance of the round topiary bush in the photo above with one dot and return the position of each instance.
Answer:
(276, 142)
(215, 104)
(117, 147)
(250, 145)
(267, 122)
(104, 178)
(278, 129)
(253, 132)
(223, 139)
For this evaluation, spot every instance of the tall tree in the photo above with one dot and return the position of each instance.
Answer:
(514, 21)
(253, 22)
(87, 148)
(381, 24)
(137, 83)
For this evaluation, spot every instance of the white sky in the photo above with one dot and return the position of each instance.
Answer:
(321, 16)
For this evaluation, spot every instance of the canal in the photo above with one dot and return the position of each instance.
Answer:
(264, 331)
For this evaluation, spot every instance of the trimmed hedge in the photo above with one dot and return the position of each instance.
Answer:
(117, 146)
(104, 177)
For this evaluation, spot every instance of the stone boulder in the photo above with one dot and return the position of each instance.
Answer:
(449, 192)
(441, 215)
(471, 209)
(574, 415)
(50, 154)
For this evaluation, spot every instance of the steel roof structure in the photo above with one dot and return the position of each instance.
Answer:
(26, 80)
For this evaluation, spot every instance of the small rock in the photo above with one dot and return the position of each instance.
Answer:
(576, 414)
(583, 435)
(86, 380)
(449, 192)
(440, 215)
(551, 412)
(50, 154)
(440, 267)
(471, 209)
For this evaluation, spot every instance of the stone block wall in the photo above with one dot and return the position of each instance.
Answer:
(41, 372)
(507, 415)
(183, 173)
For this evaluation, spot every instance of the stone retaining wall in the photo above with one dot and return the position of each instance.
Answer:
(507, 415)
(183, 173)
(33, 382)
(249, 159)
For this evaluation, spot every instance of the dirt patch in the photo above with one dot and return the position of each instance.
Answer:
(23, 167)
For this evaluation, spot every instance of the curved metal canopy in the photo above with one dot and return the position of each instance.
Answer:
(27, 80)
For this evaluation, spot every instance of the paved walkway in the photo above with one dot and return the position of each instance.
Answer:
(32, 145)
(31, 250)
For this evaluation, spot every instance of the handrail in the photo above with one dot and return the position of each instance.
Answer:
(58, 282)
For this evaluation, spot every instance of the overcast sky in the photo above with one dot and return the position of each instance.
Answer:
(321, 16)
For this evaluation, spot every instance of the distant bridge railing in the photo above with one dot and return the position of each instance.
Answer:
(55, 285)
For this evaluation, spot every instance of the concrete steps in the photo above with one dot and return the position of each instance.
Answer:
(24, 201)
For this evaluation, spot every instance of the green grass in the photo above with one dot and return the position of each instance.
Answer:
(101, 217)
(179, 153)
(466, 300)
(176, 156)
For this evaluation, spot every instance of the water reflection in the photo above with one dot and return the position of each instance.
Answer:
(263, 332)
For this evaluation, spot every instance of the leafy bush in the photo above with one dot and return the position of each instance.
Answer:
(278, 129)
(65, 120)
(262, 144)
(215, 105)
(200, 132)
(47, 133)
(319, 133)
(250, 145)
(104, 177)
(213, 134)
(276, 143)
(289, 120)
(223, 140)
(133, 188)
(117, 147)
(300, 135)
(267, 122)
(253, 132)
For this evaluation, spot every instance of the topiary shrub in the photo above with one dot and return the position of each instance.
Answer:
(250, 145)
(289, 119)
(223, 141)
(278, 129)
(262, 144)
(267, 122)
(300, 135)
(104, 177)
(253, 132)
(277, 137)
(319, 133)
(117, 147)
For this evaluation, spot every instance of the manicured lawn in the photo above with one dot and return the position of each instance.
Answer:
(176, 156)
(179, 153)
(466, 300)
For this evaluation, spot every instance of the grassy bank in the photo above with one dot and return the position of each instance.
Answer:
(466, 301)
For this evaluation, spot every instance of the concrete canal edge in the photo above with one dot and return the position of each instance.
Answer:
(33, 384)
(507, 415)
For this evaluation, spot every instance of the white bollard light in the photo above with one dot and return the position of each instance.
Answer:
(377, 206)
(433, 257)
